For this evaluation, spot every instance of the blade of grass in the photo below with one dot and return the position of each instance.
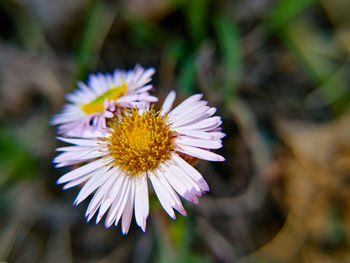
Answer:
(16, 161)
(315, 51)
(29, 32)
(99, 18)
(229, 44)
(187, 75)
(196, 12)
(284, 11)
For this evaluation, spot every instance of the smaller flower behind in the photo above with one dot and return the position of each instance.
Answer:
(142, 145)
(90, 105)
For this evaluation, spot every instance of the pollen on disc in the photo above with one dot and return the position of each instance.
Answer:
(139, 143)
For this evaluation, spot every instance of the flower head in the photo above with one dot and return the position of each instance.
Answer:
(142, 145)
(104, 94)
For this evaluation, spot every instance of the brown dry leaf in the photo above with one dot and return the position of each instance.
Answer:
(147, 9)
(338, 13)
(316, 195)
(24, 75)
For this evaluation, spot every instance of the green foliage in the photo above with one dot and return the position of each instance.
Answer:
(284, 11)
(99, 18)
(187, 75)
(229, 44)
(196, 12)
(181, 236)
(316, 51)
(16, 161)
(29, 32)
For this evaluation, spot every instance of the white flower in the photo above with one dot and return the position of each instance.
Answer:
(142, 146)
(91, 104)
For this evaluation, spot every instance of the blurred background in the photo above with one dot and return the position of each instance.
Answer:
(279, 74)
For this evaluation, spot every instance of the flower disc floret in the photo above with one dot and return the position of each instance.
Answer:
(98, 104)
(139, 142)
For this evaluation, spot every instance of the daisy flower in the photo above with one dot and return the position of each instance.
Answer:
(142, 145)
(91, 103)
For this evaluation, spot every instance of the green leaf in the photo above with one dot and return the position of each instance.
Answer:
(16, 161)
(229, 44)
(284, 11)
(187, 76)
(99, 19)
(197, 16)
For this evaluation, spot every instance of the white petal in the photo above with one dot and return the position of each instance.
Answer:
(81, 142)
(192, 172)
(141, 201)
(178, 185)
(201, 134)
(209, 144)
(186, 115)
(205, 125)
(177, 203)
(65, 117)
(77, 181)
(144, 88)
(163, 197)
(200, 153)
(111, 195)
(179, 175)
(194, 119)
(97, 179)
(74, 148)
(168, 102)
(98, 197)
(79, 156)
(185, 103)
(127, 213)
(119, 201)
(83, 170)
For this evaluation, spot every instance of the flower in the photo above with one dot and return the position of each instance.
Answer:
(91, 104)
(142, 145)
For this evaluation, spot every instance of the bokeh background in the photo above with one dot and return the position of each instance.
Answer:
(279, 74)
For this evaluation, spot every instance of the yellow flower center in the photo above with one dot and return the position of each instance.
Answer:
(139, 143)
(97, 105)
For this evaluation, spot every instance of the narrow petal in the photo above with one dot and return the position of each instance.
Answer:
(200, 153)
(117, 202)
(185, 180)
(188, 115)
(81, 142)
(185, 103)
(178, 185)
(77, 181)
(177, 203)
(97, 179)
(127, 213)
(141, 202)
(201, 134)
(192, 172)
(122, 204)
(208, 144)
(98, 197)
(79, 156)
(110, 197)
(205, 125)
(163, 198)
(83, 170)
(168, 102)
